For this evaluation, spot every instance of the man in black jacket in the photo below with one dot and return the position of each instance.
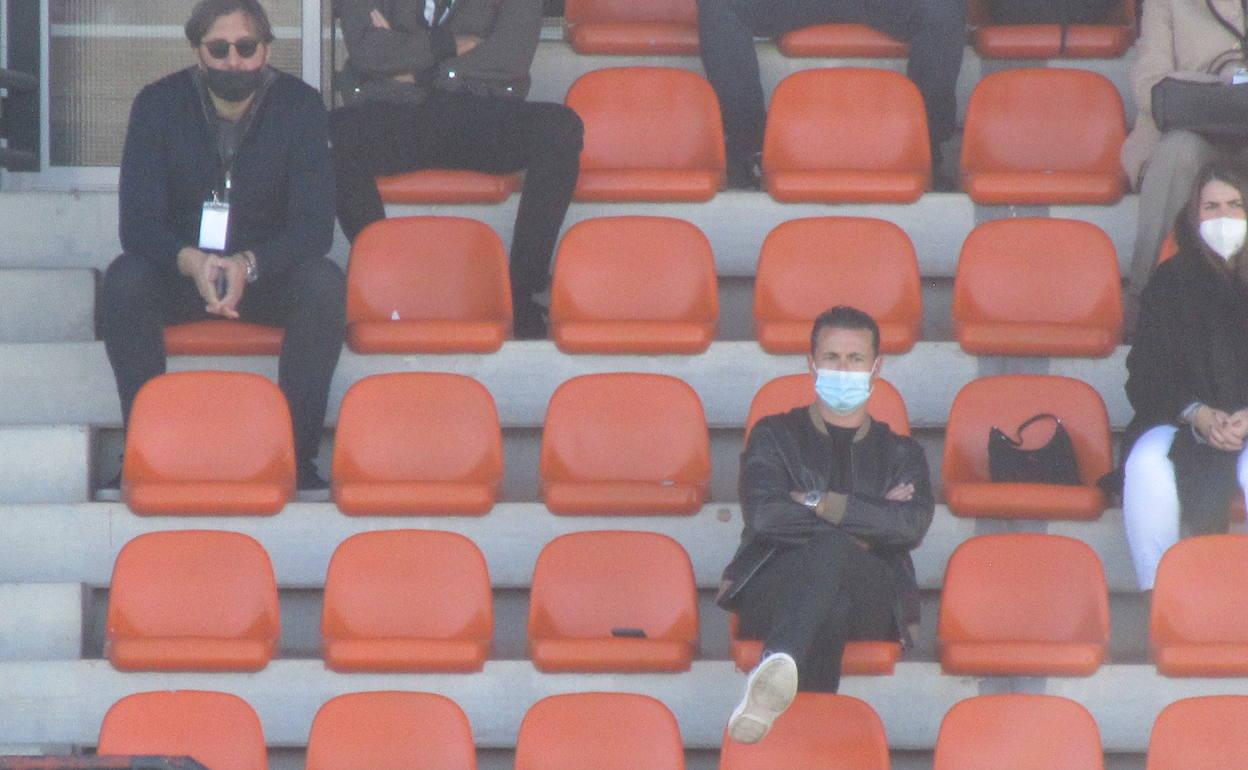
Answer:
(227, 211)
(833, 502)
(441, 84)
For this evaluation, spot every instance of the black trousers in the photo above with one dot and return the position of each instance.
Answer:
(808, 601)
(137, 301)
(935, 30)
(495, 135)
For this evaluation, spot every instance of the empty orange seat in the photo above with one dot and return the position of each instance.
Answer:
(209, 443)
(192, 601)
(1027, 732)
(1038, 287)
(1023, 605)
(417, 443)
(407, 600)
(860, 657)
(651, 134)
(219, 730)
(820, 730)
(809, 265)
(1199, 623)
(1043, 136)
(794, 390)
(599, 730)
(391, 731)
(1044, 41)
(444, 185)
(841, 41)
(634, 285)
(1204, 733)
(428, 285)
(1169, 247)
(1005, 402)
(625, 443)
(613, 601)
(632, 27)
(222, 338)
(846, 135)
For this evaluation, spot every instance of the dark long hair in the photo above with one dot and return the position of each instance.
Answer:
(1187, 224)
(206, 12)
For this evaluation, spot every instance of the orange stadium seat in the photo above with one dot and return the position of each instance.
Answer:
(859, 658)
(651, 134)
(1023, 605)
(599, 730)
(809, 265)
(1005, 402)
(820, 730)
(1199, 623)
(841, 41)
(1169, 247)
(794, 390)
(428, 285)
(634, 285)
(391, 731)
(632, 27)
(846, 136)
(222, 338)
(1021, 731)
(1038, 287)
(1043, 136)
(407, 600)
(417, 443)
(444, 185)
(219, 730)
(192, 600)
(625, 443)
(1044, 41)
(613, 602)
(209, 443)
(1204, 733)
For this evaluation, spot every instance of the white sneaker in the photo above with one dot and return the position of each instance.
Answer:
(769, 690)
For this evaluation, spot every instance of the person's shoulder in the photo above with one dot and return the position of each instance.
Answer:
(884, 433)
(172, 88)
(292, 91)
(782, 423)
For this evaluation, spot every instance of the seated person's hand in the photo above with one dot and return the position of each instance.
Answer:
(901, 493)
(1216, 427)
(465, 43)
(235, 270)
(202, 268)
(378, 20)
(1239, 423)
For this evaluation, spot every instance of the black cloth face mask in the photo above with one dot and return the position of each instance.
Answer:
(233, 85)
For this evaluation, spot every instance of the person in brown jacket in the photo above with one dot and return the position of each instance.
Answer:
(441, 84)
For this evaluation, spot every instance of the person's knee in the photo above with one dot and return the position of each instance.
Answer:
(320, 288)
(562, 128)
(945, 15)
(714, 11)
(128, 281)
(1149, 458)
(1181, 147)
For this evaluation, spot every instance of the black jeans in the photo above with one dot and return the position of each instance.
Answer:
(461, 131)
(935, 30)
(137, 301)
(808, 601)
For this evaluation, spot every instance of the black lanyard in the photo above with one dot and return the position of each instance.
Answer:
(1242, 37)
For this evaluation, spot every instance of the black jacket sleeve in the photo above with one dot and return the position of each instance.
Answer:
(1156, 385)
(765, 486)
(377, 52)
(889, 524)
(144, 195)
(506, 53)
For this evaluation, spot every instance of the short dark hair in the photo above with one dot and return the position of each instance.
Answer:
(206, 13)
(845, 317)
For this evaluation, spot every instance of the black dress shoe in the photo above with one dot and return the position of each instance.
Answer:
(746, 173)
(530, 321)
(309, 479)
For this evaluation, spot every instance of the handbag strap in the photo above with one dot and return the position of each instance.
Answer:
(1242, 37)
(1026, 424)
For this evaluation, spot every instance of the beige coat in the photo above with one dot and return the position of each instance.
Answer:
(1179, 38)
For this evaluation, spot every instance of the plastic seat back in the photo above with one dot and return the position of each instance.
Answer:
(599, 730)
(841, 41)
(1005, 402)
(1199, 623)
(632, 27)
(222, 338)
(407, 600)
(1035, 732)
(417, 443)
(209, 443)
(446, 185)
(219, 730)
(794, 390)
(192, 600)
(1023, 605)
(1038, 287)
(1045, 41)
(651, 134)
(1043, 136)
(820, 730)
(634, 285)
(809, 265)
(613, 601)
(1205, 733)
(625, 443)
(391, 731)
(846, 135)
(860, 658)
(428, 285)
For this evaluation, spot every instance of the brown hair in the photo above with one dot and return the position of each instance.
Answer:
(845, 317)
(1187, 225)
(206, 13)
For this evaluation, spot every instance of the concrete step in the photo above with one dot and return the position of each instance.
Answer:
(47, 305)
(41, 621)
(45, 463)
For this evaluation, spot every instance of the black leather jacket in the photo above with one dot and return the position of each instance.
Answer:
(783, 455)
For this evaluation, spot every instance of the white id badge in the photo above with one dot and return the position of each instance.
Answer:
(213, 225)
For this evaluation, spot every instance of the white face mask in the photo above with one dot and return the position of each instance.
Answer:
(1225, 235)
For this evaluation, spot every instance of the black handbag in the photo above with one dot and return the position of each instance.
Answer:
(1053, 463)
(1216, 110)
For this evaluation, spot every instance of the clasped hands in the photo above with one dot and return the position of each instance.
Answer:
(1222, 430)
(463, 43)
(205, 269)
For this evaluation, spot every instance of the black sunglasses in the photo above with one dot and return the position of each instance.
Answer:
(220, 49)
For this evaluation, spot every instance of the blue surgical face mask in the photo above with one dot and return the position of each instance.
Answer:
(840, 391)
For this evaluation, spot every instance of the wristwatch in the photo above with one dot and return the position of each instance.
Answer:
(252, 272)
(812, 498)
